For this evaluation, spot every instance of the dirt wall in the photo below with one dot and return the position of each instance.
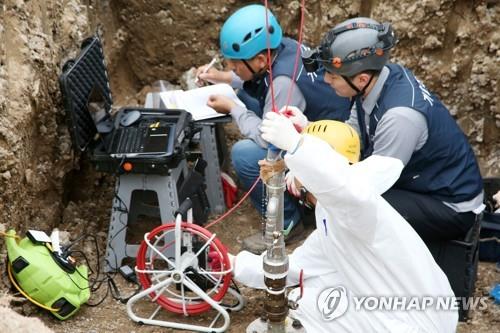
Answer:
(452, 46)
(37, 161)
(35, 148)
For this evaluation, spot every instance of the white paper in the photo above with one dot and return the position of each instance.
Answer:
(195, 100)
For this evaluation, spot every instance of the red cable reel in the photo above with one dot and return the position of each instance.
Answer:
(170, 299)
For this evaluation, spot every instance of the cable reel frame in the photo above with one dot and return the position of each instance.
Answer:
(173, 283)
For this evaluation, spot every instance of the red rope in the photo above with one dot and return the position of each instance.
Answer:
(297, 54)
(301, 283)
(290, 91)
(226, 214)
(269, 60)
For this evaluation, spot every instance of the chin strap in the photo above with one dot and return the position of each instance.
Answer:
(359, 93)
(249, 68)
(258, 76)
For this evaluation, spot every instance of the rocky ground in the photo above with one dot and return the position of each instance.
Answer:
(452, 45)
(111, 315)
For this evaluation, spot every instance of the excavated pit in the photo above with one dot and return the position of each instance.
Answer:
(452, 46)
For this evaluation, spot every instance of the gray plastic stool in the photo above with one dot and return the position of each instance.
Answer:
(136, 195)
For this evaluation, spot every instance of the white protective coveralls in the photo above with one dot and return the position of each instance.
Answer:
(360, 243)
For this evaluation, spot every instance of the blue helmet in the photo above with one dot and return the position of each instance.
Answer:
(243, 35)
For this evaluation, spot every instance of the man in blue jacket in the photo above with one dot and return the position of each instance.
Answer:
(440, 189)
(243, 42)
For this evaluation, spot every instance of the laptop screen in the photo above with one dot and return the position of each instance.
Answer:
(157, 140)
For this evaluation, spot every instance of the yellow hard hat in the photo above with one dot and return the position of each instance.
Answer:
(340, 136)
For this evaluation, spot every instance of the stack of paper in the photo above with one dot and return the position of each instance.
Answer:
(195, 101)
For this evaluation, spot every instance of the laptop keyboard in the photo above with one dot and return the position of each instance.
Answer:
(131, 140)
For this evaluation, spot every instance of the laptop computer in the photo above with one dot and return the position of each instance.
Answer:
(148, 139)
(147, 136)
(155, 141)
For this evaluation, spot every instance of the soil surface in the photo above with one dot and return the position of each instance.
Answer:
(452, 45)
(111, 315)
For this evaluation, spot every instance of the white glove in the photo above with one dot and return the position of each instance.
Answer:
(290, 184)
(296, 116)
(279, 131)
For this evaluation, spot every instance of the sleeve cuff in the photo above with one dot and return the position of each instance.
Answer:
(237, 111)
(236, 81)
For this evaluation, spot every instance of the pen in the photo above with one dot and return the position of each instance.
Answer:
(210, 64)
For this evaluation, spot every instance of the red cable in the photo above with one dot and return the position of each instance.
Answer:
(297, 54)
(201, 307)
(169, 303)
(296, 65)
(235, 206)
(301, 283)
(222, 217)
(269, 64)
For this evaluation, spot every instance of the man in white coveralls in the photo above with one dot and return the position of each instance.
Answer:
(361, 245)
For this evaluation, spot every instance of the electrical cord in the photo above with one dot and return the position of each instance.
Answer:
(237, 289)
(7, 235)
(97, 282)
(111, 285)
(123, 209)
(100, 301)
(66, 252)
(115, 291)
(229, 212)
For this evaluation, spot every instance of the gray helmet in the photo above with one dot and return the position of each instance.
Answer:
(357, 45)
